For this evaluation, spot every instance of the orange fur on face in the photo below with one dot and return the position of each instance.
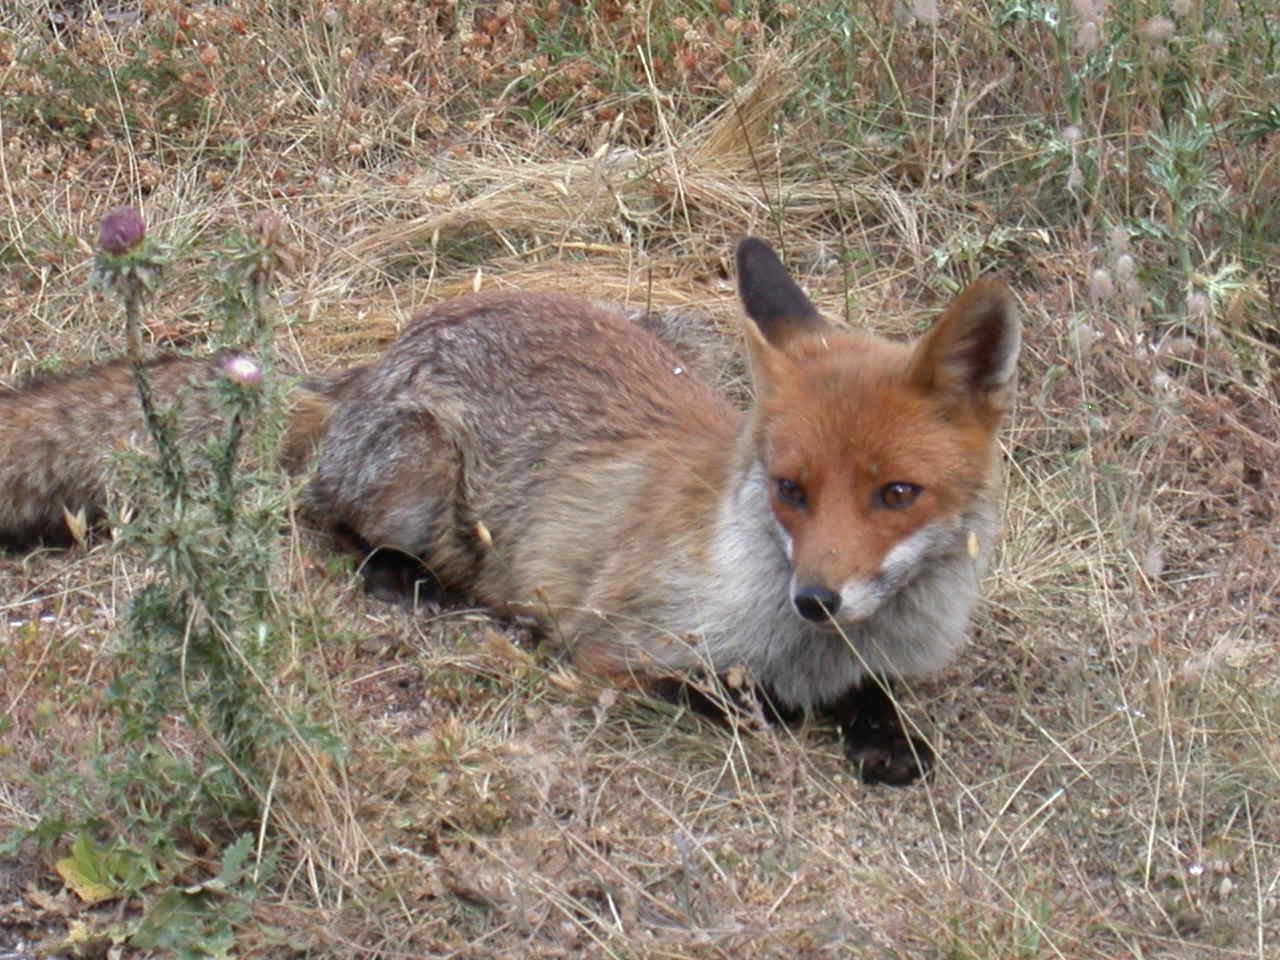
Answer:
(843, 415)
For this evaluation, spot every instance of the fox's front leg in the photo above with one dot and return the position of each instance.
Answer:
(718, 699)
(876, 741)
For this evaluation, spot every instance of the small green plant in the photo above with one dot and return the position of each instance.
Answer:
(200, 920)
(79, 95)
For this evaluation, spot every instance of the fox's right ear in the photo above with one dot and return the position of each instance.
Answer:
(776, 305)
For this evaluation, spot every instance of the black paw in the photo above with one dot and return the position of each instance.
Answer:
(697, 693)
(398, 578)
(895, 758)
(876, 741)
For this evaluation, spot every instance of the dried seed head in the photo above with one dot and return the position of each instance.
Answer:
(121, 230)
(269, 228)
(1178, 347)
(926, 11)
(1182, 8)
(1071, 135)
(1118, 240)
(1101, 287)
(1198, 306)
(1085, 337)
(1153, 561)
(1126, 268)
(1089, 11)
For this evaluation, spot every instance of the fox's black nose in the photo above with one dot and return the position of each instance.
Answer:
(816, 603)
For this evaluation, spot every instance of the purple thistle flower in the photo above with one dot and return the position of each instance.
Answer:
(242, 370)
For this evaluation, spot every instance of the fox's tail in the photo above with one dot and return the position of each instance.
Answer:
(58, 435)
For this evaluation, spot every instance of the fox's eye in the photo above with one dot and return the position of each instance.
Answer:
(790, 492)
(896, 496)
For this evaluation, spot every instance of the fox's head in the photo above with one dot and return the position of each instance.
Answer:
(874, 452)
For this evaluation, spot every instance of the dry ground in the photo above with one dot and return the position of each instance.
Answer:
(1110, 741)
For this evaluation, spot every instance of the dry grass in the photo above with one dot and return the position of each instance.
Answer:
(1109, 742)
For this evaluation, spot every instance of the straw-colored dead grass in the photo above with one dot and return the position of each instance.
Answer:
(1108, 744)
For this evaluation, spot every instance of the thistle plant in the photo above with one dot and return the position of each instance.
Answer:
(200, 643)
(200, 712)
(251, 262)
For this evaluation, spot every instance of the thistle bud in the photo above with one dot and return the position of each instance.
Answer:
(128, 262)
(121, 230)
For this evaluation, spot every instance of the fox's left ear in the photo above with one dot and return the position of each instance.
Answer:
(972, 350)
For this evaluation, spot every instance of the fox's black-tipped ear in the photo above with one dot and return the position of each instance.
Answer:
(771, 298)
(973, 348)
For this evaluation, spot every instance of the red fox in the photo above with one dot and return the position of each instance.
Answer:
(549, 457)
